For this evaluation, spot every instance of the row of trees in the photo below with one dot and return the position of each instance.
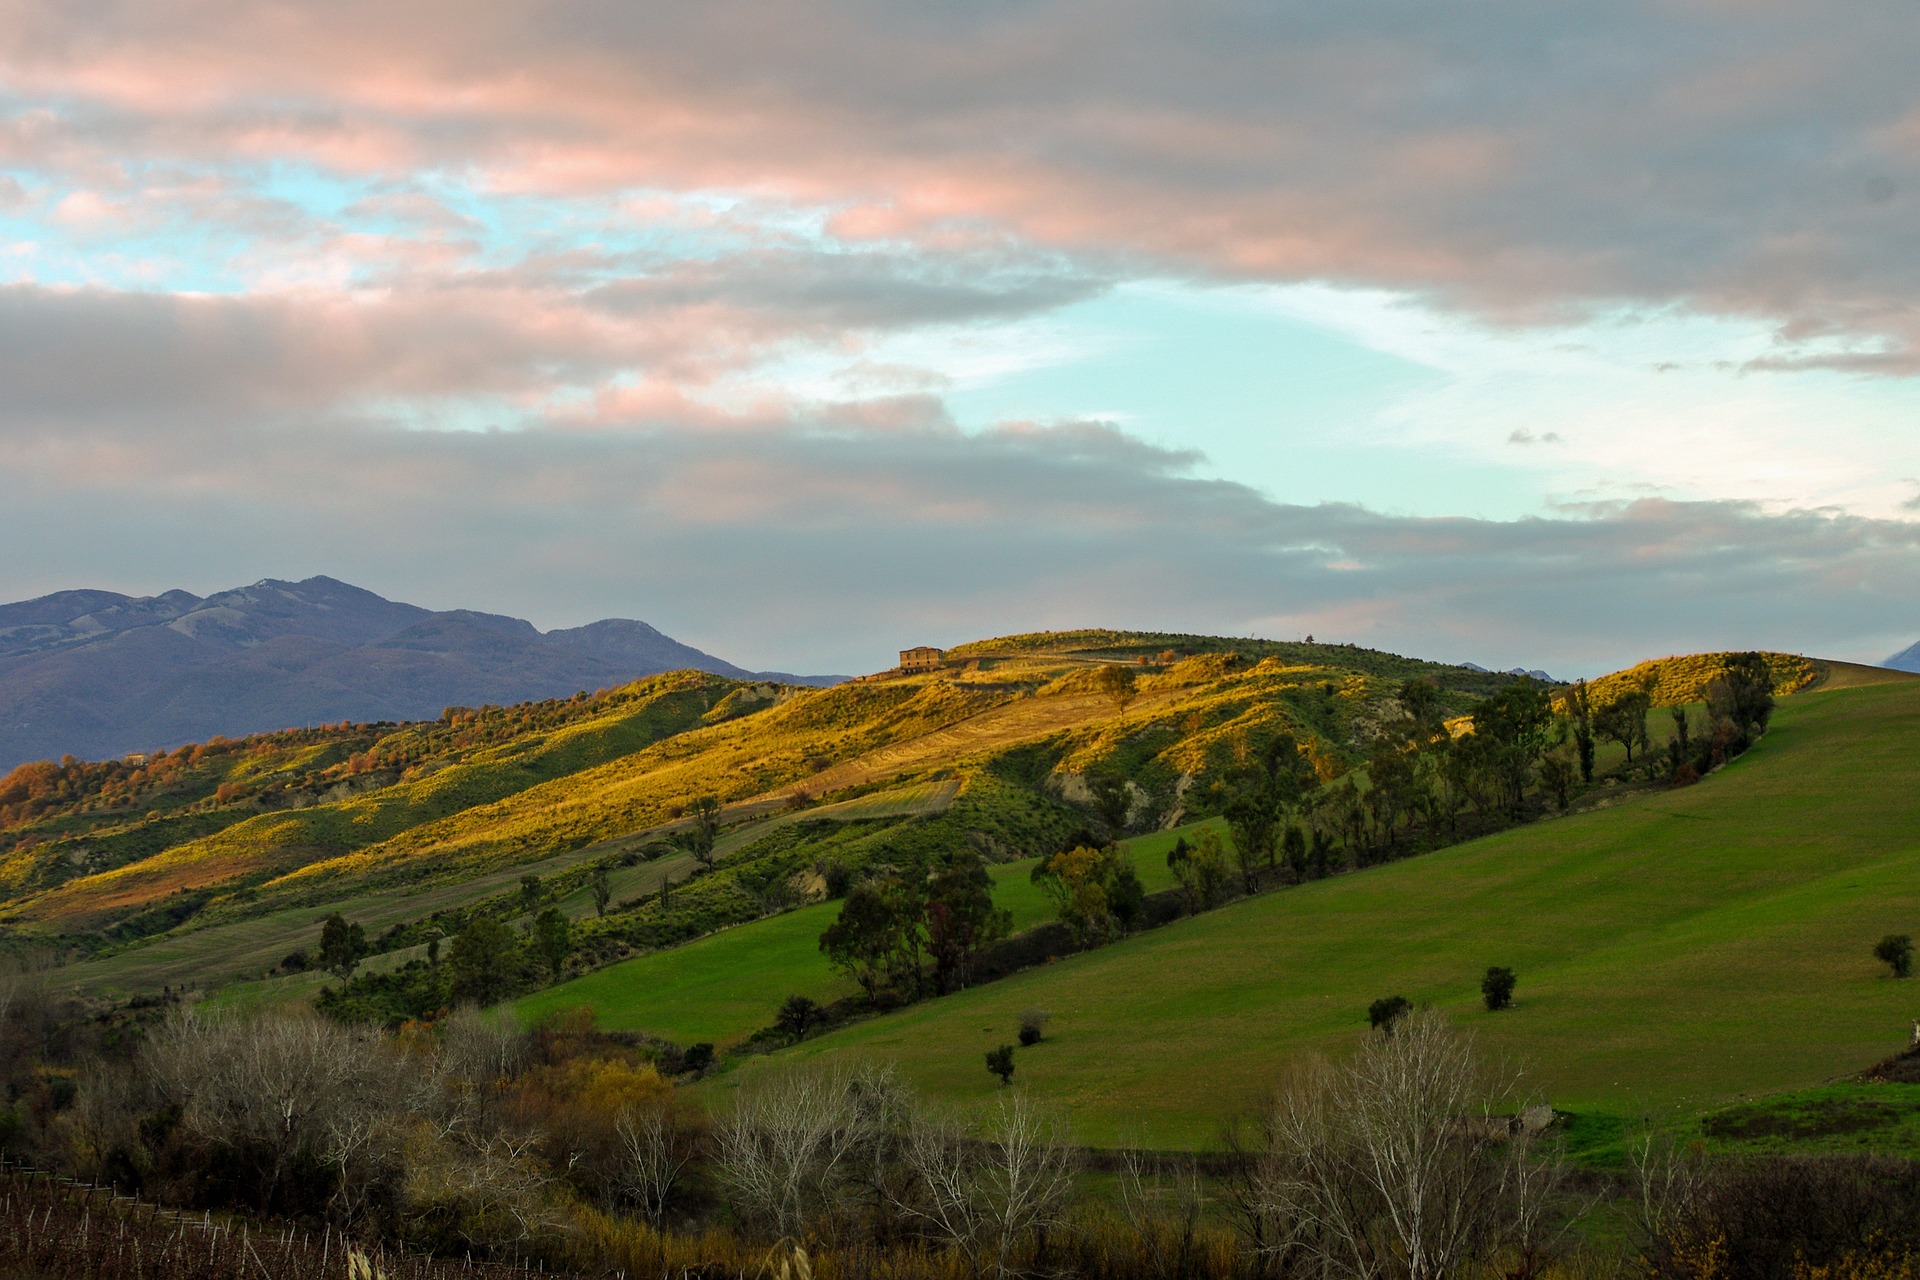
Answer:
(1523, 740)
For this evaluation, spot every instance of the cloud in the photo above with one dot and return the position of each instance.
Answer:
(828, 541)
(1760, 161)
(1522, 435)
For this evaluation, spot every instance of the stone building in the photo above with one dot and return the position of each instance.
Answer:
(922, 657)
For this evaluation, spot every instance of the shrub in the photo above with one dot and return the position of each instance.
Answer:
(1000, 1062)
(1033, 1026)
(697, 1058)
(1497, 987)
(1896, 952)
(1387, 1010)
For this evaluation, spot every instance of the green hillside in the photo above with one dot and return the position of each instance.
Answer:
(1678, 948)
(216, 864)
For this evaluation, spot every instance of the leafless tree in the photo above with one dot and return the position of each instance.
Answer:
(481, 1047)
(1671, 1180)
(1164, 1213)
(1397, 1165)
(801, 1142)
(279, 1088)
(984, 1188)
(654, 1156)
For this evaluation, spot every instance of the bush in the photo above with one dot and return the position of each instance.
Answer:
(1896, 952)
(1000, 1062)
(1033, 1026)
(697, 1058)
(1387, 1010)
(1497, 988)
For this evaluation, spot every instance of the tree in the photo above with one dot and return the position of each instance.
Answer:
(1293, 851)
(961, 919)
(1742, 695)
(877, 938)
(529, 892)
(1033, 1027)
(1514, 728)
(1387, 1010)
(1496, 989)
(553, 939)
(1112, 799)
(342, 946)
(700, 837)
(1258, 797)
(602, 887)
(798, 1015)
(1420, 699)
(1095, 890)
(1000, 1063)
(483, 960)
(1556, 775)
(1117, 684)
(1391, 780)
(1201, 871)
(1580, 712)
(1625, 719)
(792, 1150)
(1393, 1165)
(984, 1189)
(1896, 952)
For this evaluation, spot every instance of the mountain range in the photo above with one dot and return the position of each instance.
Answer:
(98, 674)
(1908, 659)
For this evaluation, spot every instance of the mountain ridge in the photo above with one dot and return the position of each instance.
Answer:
(98, 674)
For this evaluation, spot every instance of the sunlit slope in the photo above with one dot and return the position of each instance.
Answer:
(752, 746)
(279, 842)
(1681, 948)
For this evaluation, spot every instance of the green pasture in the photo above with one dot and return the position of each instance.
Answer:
(724, 987)
(1677, 950)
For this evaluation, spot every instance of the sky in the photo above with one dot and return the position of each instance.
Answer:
(1558, 336)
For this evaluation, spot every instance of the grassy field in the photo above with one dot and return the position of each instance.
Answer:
(1676, 950)
(723, 988)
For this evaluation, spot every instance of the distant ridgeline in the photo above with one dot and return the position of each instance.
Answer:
(95, 673)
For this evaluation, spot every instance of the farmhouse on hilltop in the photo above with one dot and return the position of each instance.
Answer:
(922, 657)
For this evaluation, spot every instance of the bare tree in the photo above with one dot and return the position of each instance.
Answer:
(654, 1155)
(278, 1089)
(481, 1047)
(1396, 1165)
(797, 1144)
(986, 1188)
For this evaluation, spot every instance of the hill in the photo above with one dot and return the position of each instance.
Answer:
(96, 674)
(212, 864)
(1676, 948)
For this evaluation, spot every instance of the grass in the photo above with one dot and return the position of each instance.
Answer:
(724, 987)
(1676, 951)
(1844, 1117)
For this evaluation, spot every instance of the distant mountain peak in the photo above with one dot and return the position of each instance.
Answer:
(1908, 659)
(99, 674)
